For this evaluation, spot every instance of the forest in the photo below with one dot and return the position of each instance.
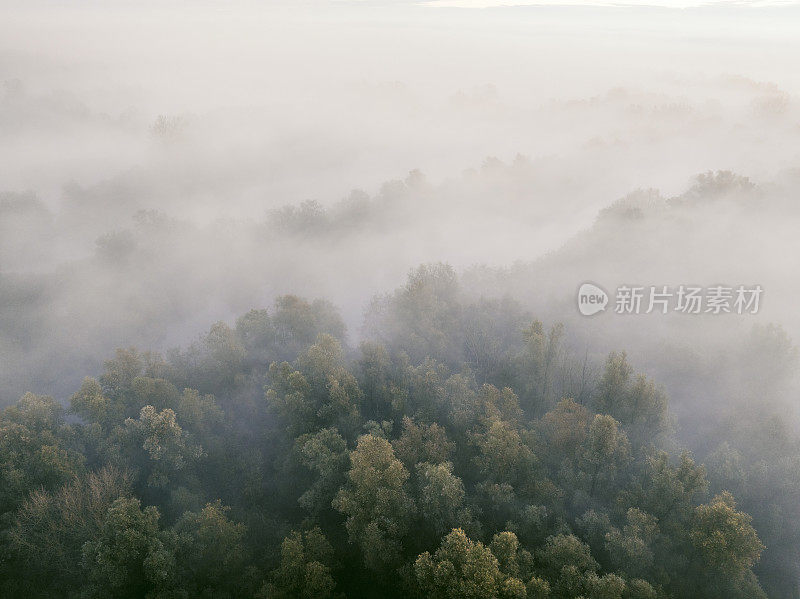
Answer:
(289, 299)
(459, 451)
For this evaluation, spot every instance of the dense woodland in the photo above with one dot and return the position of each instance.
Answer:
(461, 452)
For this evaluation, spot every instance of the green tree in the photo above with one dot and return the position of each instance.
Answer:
(321, 392)
(464, 569)
(538, 366)
(724, 537)
(376, 503)
(605, 455)
(563, 431)
(305, 570)
(422, 443)
(131, 556)
(157, 446)
(441, 498)
(630, 549)
(50, 528)
(36, 450)
(635, 402)
(210, 554)
(325, 454)
(91, 404)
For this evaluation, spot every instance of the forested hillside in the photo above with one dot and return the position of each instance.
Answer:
(460, 451)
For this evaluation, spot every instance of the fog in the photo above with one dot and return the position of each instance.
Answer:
(164, 166)
(525, 122)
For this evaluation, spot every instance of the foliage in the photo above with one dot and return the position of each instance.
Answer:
(456, 453)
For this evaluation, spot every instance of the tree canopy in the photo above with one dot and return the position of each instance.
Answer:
(443, 458)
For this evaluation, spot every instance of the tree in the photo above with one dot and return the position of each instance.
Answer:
(325, 454)
(423, 317)
(162, 448)
(210, 555)
(723, 537)
(91, 404)
(441, 497)
(375, 501)
(36, 450)
(563, 430)
(567, 563)
(630, 549)
(305, 570)
(119, 373)
(667, 491)
(506, 470)
(131, 557)
(422, 443)
(464, 569)
(538, 364)
(608, 586)
(605, 455)
(502, 454)
(257, 334)
(636, 403)
(299, 323)
(320, 392)
(50, 529)
(379, 380)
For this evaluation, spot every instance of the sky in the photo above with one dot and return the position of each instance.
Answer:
(657, 3)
